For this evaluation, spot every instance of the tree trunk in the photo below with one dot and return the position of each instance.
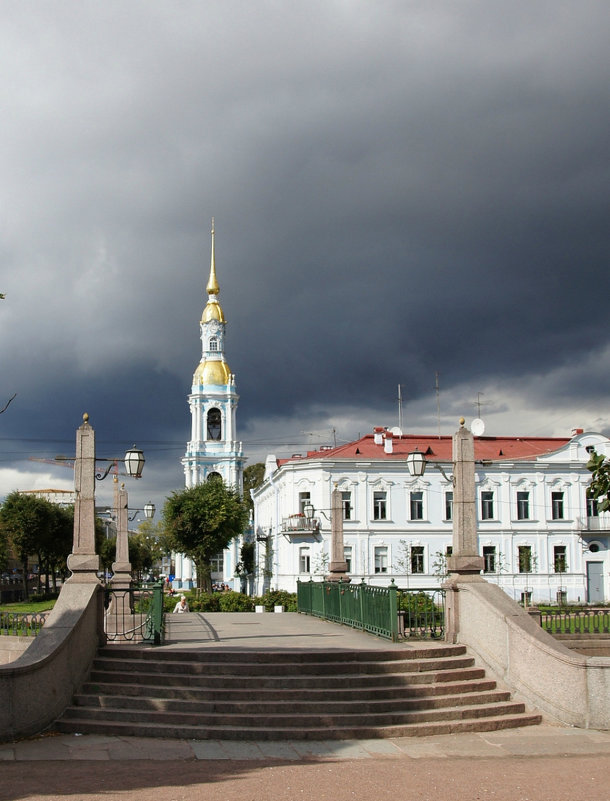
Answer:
(204, 577)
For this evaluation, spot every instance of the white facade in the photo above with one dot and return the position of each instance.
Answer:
(536, 531)
(213, 448)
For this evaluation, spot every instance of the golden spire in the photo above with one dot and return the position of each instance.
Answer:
(212, 288)
(213, 310)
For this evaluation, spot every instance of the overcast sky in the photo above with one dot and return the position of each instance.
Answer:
(401, 189)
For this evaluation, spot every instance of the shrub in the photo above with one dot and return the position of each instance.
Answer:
(278, 598)
(235, 602)
(205, 602)
(416, 603)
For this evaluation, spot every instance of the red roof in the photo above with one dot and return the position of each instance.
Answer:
(440, 448)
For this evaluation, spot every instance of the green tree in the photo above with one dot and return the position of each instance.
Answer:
(56, 543)
(106, 548)
(4, 547)
(202, 521)
(254, 475)
(26, 521)
(157, 538)
(599, 488)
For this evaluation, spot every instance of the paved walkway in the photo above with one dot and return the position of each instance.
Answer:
(531, 741)
(243, 631)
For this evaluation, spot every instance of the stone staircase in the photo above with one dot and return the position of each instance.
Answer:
(299, 695)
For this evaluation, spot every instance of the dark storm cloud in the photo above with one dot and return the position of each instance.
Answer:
(399, 189)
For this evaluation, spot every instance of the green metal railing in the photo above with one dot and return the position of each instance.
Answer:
(421, 613)
(134, 614)
(385, 611)
(576, 621)
(22, 624)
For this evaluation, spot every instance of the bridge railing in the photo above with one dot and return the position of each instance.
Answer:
(384, 611)
(576, 621)
(22, 624)
(134, 614)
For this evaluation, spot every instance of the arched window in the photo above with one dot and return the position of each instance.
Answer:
(214, 477)
(214, 424)
(213, 343)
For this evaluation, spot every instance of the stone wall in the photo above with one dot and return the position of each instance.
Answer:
(571, 688)
(40, 683)
(11, 647)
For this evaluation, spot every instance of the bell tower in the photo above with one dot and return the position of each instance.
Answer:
(213, 448)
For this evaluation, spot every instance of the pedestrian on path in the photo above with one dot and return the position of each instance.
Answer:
(181, 606)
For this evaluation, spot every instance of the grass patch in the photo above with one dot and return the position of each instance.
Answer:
(29, 607)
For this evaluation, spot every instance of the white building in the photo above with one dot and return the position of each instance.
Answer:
(538, 534)
(213, 448)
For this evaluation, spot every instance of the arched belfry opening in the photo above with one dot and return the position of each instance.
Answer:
(214, 424)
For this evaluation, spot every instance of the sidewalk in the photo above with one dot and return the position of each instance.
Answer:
(532, 741)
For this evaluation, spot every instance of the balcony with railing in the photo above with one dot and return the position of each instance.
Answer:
(597, 522)
(299, 526)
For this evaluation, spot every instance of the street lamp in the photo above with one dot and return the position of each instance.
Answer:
(416, 465)
(134, 462)
(148, 509)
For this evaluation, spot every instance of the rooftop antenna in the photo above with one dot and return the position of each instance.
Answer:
(478, 403)
(478, 426)
(437, 388)
(400, 407)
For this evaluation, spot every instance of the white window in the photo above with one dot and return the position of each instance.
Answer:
(217, 563)
(417, 505)
(347, 555)
(557, 505)
(381, 559)
(487, 505)
(449, 506)
(524, 553)
(489, 559)
(523, 506)
(560, 559)
(592, 508)
(346, 503)
(417, 559)
(304, 560)
(304, 500)
(213, 343)
(379, 505)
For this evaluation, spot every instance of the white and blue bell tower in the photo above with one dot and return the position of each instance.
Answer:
(213, 449)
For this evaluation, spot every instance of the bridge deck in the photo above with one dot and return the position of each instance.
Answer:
(267, 631)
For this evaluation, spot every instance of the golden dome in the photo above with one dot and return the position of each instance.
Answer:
(212, 372)
(213, 311)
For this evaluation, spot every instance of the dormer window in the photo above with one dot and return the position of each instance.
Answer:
(214, 424)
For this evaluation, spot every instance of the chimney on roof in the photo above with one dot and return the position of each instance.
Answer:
(388, 443)
(576, 431)
(378, 435)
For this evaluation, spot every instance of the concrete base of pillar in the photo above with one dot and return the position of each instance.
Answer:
(465, 563)
(84, 568)
(338, 572)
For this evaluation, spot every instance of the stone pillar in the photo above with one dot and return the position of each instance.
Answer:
(465, 557)
(121, 568)
(83, 562)
(464, 564)
(338, 565)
